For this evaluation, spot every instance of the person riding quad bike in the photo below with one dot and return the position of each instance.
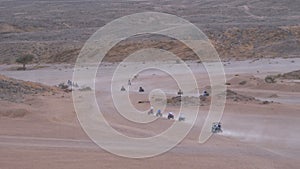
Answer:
(141, 90)
(150, 111)
(170, 116)
(180, 92)
(181, 117)
(158, 114)
(216, 127)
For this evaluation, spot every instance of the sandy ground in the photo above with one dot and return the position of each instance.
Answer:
(263, 136)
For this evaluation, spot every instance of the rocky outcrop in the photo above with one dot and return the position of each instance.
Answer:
(15, 90)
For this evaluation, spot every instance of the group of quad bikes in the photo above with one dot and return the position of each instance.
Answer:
(216, 126)
(170, 115)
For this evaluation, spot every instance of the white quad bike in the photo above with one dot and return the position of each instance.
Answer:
(181, 118)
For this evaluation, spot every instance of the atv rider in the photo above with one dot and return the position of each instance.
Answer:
(170, 115)
(159, 114)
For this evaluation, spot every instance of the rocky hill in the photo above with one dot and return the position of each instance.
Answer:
(15, 90)
(55, 31)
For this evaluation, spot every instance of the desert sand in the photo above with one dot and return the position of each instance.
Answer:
(42, 130)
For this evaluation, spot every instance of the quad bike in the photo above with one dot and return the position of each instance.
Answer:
(180, 92)
(158, 114)
(216, 127)
(141, 90)
(205, 93)
(150, 112)
(181, 118)
(123, 89)
(170, 116)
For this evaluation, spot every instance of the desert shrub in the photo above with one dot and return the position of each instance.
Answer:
(63, 86)
(86, 89)
(243, 82)
(270, 79)
(14, 113)
(24, 60)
